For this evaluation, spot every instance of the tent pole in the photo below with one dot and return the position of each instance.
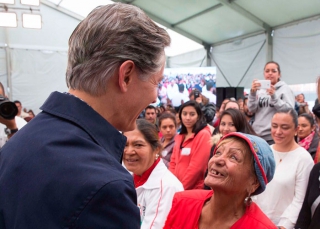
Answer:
(8, 65)
(208, 49)
(269, 37)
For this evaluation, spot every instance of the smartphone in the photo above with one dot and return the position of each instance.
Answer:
(265, 84)
(196, 94)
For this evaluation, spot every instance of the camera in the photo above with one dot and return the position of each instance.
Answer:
(8, 109)
(196, 94)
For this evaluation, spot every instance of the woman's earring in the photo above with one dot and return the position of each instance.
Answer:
(157, 156)
(248, 201)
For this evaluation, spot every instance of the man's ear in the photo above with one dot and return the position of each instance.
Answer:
(127, 70)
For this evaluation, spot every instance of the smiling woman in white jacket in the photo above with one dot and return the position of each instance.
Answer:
(154, 183)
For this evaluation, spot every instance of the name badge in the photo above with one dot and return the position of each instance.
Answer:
(185, 151)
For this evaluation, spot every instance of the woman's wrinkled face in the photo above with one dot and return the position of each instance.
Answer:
(230, 169)
(189, 117)
(282, 129)
(168, 129)
(226, 125)
(138, 155)
(271, 73)
(304, 127)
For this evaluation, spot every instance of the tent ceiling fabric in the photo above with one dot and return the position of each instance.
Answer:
(215, 21)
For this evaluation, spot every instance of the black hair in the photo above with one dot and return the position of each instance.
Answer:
(273, 62)
(151, 107)
(309, 118)
(291, 112)
(239, 120)
(150, 133)
(200, 124)
(167, 115)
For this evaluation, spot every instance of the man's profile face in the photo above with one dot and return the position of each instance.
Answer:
(151, 115)
(141, 93)
(246, 110)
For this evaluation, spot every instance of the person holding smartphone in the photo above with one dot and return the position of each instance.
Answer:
(264, 101)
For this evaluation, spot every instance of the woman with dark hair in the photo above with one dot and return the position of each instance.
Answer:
(267, 98)
(192, 147)
(168, 128)
(283, 197)
(232, 120)
(154, 183)
(308, 138)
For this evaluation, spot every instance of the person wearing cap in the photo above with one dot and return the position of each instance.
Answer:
(284, 195)
(242, 166)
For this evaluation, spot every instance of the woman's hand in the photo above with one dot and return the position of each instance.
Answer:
(255, 85)
(271, 90)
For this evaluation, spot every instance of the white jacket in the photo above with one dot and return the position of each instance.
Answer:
(155, 196)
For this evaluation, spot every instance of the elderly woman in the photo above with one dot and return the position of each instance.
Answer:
(242, 166)
(154, 183)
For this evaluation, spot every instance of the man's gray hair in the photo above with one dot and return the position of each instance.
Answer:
(109, 36)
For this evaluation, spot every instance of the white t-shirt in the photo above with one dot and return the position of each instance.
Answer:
(3, 137)
(283, 197)
(176, 99)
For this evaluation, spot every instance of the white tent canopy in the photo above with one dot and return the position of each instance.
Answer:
(33, 62)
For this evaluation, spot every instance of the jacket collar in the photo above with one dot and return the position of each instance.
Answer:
(157, 174)
(75, 110)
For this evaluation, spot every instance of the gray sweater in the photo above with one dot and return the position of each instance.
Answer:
(264, 106)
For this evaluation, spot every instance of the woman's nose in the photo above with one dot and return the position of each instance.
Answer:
(129, 150)
(220, 161)
(278, 130)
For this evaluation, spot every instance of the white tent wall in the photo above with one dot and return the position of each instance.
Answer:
(239, 62)
(3, 67)
(38, 58)
(33, 81)
(297, 50)
(197, 58)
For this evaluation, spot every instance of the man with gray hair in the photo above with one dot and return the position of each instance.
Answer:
(63, 169)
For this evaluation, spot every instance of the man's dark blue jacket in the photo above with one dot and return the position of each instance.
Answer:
(63, 170)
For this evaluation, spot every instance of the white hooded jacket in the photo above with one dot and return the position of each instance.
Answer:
(156, 195)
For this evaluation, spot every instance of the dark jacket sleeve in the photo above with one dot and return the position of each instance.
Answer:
(113, 206)
(304, 218)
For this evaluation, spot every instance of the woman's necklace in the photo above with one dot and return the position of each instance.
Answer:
(282, 155)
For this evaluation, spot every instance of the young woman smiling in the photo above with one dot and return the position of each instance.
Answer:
(308, 138)
(155, 184)
(284, 195)
(192, 147)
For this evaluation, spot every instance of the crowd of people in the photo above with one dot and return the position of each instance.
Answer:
(93, 159)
